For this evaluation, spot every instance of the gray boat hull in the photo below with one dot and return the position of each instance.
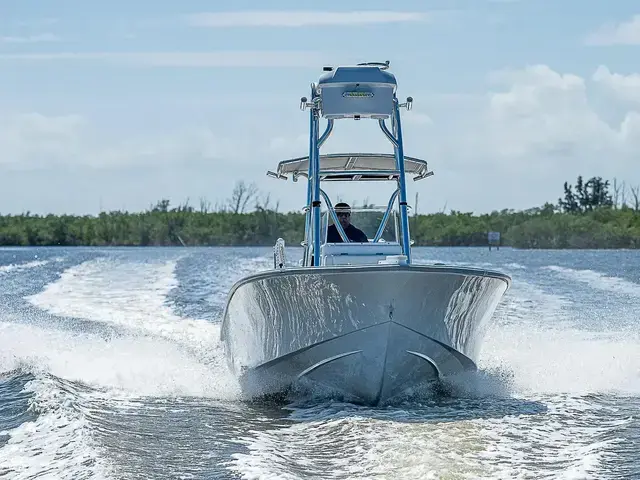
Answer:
(371, 333)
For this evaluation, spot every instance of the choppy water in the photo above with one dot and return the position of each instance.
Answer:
(110, 367)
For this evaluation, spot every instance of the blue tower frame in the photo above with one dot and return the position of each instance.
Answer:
(365, 91)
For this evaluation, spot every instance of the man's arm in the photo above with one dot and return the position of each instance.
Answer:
(360, 236)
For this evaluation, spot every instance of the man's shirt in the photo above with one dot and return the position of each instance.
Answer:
(354, 234)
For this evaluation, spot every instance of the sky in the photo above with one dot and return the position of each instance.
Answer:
(114, 106)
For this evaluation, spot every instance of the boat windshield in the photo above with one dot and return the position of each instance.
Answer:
(368, 219)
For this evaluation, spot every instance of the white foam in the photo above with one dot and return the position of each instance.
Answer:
(526, 304)
(57, 444)
(128, 294)
(357, 442)
(157, 354)
(110, 290)
(515, 266)
(18, 267)
(160, 353)
(560, 360)
(559, 443)
(540, 338)
(598, 280)
(134, 365)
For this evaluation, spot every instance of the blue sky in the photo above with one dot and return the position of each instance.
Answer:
(116, 105)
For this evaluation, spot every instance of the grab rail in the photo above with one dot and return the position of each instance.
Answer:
(279, 258)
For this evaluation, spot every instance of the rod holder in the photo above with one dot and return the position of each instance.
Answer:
(305, 103)
(408, 104)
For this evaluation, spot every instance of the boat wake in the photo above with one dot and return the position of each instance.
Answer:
(66, 373)
(598, 280)
(550, 399)
(58, 440)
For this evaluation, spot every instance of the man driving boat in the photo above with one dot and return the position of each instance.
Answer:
(343, 212)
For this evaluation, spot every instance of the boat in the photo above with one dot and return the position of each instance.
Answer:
(357, 318)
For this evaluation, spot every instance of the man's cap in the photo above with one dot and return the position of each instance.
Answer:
(342, 208)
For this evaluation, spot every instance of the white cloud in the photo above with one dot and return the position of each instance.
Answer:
(545, 122)
(623, 87)
(271, 18)
(542, 115)
(180, 59)
(518, 143)
(73, 167)
(511, 147)
(34, 140)
(624, 33)
(43, 37)
(176, 148)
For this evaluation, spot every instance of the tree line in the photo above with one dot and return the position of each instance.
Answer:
(590, 214)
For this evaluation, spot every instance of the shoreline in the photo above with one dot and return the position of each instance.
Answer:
(460, 247)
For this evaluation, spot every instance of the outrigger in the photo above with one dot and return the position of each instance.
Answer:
(358, 318)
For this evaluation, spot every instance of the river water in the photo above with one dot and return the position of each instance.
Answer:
(111, 368)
